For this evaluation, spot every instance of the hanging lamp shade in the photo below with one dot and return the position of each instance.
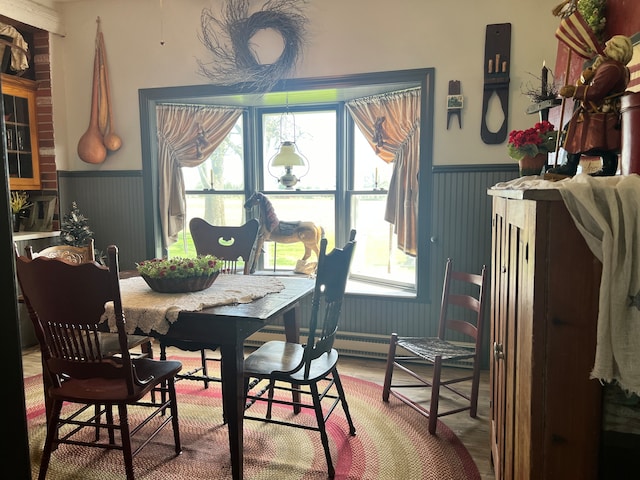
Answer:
(288, 156)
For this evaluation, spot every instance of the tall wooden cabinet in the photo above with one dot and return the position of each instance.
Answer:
(19, 97)
(545, 410)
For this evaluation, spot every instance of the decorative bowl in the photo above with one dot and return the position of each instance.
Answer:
(180, 285)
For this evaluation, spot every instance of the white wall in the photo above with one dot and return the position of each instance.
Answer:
(345, 37)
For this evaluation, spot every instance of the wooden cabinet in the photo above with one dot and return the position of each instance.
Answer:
(19, 97)
(545, 410)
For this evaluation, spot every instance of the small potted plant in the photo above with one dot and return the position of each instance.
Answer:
(177, 274)
(19, 202)
(531, 146)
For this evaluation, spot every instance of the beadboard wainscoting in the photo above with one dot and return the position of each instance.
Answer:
(460, 229)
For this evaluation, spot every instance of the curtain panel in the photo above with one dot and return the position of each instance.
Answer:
(391, 124)
(187, 136)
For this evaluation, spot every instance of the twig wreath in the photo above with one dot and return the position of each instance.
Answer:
(229, 40)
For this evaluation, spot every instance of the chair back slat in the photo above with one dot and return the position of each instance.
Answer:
(66, 302)
(229, 243)
(463, 295)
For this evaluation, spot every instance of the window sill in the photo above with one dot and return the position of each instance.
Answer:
(355, 287)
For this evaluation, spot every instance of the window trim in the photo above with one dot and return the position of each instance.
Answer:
(293, 91)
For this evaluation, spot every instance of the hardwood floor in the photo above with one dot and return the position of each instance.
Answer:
(473, 432)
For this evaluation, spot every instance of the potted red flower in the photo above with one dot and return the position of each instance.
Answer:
(531, 146)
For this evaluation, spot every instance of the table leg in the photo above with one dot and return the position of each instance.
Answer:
(291, 319)
(233, 403)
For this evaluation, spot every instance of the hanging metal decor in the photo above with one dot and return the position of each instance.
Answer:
(229, 40)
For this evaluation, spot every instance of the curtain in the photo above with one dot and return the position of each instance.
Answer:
(187, 135)
(391, 124)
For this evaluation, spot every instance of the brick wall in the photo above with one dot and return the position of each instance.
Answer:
(44, 110)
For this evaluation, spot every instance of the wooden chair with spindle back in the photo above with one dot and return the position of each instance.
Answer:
(76, 369)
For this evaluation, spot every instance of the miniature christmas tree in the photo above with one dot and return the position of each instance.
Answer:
(75, 229)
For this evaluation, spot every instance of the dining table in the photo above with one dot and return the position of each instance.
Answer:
(227, 313)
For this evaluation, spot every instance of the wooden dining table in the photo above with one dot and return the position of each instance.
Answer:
(229, 326)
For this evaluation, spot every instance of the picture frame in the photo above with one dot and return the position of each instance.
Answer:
(455, 102)
(41, 213)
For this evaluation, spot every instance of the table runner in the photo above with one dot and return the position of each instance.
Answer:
(148, 310)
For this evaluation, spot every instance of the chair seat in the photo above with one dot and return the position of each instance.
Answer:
(110, 344)
(277, 356)
(431, 347)
(103, 390)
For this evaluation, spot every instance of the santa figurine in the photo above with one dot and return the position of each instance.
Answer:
(594, 128)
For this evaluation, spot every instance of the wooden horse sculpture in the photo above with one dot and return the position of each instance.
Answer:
(272, 229)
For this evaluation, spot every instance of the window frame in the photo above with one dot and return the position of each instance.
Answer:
(312, 93)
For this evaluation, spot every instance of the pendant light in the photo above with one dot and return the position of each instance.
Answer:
(288, 156)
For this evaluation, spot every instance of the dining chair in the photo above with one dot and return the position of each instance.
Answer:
(309, 371)
(69, 253)
(86, 254)
(66, 302)
(461, 318)
(235, 247)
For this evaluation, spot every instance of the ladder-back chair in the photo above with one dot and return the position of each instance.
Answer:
(463, 295)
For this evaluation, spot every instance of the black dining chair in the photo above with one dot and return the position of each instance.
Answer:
(235, 247)
(309, 371)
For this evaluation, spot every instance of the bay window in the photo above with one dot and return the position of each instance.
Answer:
(342, 185)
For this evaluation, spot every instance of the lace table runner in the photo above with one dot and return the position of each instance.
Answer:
(149, 310)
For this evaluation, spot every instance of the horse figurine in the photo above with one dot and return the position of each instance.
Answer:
(272, 229)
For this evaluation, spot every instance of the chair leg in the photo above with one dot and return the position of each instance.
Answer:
(435, 395)
(343, 399)
(125, 433)
(322, 427)
(272, 384)
(110, 428)
(52, 432)
(388, 375)
(475, 386)
(205, 371)
(171, 385)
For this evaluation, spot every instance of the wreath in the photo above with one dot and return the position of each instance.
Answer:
(228, 39)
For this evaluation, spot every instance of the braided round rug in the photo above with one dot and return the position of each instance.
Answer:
(391, 442)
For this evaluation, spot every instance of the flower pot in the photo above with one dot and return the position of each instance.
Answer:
(16, 221)
(180, 285)
(532, 165)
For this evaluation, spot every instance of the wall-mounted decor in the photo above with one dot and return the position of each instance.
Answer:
(99, 137)
(455, 102)
(497, 62)
(229, 39)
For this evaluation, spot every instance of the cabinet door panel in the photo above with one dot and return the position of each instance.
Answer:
(19, 98)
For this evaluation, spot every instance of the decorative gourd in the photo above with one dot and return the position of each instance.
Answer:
(91, 148)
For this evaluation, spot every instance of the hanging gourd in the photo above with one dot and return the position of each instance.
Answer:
(99, 137)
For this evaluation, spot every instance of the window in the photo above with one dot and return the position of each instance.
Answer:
(377, 255)
(345, 186)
